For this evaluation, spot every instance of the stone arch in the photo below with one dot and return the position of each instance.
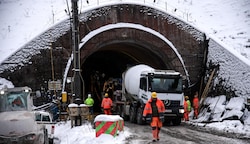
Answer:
(189, 42)
(87, 50)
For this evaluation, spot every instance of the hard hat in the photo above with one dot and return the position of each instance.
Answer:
(186, 97)
(106, 95)
(154, 95)
(89, 95)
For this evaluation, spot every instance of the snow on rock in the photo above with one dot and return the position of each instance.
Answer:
(233, 68)
(5, 83)
(232, 114)
(247, 118)
(234, 108)
(218, 109)
(214, 108)
(236, 103)
(216, 102)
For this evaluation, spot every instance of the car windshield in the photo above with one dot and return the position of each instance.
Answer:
(13, 101)
(166, 84)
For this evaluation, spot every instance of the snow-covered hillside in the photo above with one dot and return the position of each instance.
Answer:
(23, 20)
(226, 20)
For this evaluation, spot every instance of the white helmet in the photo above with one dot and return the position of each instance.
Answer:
(89, 95)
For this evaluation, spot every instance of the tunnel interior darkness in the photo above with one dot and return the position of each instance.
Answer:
(113, 60)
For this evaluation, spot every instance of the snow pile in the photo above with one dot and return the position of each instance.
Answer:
(224, 115)
(85, 134)
(219, 109)
(5, 83)
(234, 108)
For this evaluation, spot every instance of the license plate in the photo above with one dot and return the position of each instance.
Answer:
(168, 111)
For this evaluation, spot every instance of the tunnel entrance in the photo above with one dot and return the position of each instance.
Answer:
(110, 62)
(111, 37)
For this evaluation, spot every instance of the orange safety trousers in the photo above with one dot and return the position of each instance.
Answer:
(196, 113)
(196, 106)
(107, 111)
(186, 116)
(156, 124)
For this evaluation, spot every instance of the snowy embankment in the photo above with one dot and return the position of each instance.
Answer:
(228, 116)
(221, 112)
(234, 69)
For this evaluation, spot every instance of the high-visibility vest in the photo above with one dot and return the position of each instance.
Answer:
(189, 105)
(185, 106)
(106, 103)
(148, 109)
(196, 102)
(89, 101)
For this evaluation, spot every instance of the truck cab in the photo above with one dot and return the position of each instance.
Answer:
(17, 120)
(140, 81)
(169, 88)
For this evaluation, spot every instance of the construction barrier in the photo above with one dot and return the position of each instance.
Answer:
(120, 125)
(108, 124)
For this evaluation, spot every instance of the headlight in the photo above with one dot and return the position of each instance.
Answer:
(181, 110)
(1, 92)
(30, 137)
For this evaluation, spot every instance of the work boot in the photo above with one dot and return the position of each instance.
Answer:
(153, 140)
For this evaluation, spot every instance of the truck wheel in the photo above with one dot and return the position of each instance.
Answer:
(139, 116)
(132, 115)
(51, 141)
(46, 138)
(123, 114)
(176, 121)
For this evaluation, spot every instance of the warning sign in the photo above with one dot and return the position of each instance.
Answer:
(54, 85)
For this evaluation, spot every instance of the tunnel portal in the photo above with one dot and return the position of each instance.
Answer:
(112, 37)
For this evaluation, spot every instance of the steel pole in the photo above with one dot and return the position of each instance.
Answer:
(76, 54)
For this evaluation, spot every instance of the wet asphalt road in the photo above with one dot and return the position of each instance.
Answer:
(182, 134)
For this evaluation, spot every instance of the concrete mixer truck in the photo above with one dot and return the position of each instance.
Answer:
(138, 82)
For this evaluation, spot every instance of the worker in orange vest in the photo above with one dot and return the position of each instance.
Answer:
(187, 108)
(153, 113)
(107, 104)
(196, 105)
